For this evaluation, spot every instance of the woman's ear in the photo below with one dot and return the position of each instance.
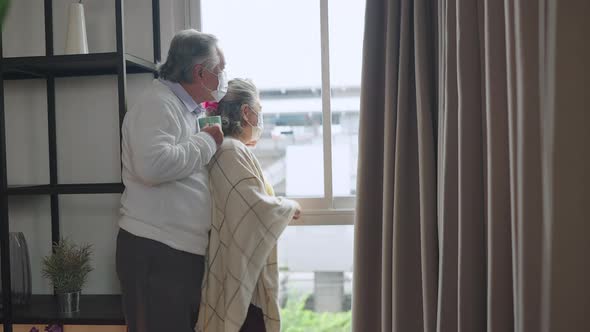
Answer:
(244, 111)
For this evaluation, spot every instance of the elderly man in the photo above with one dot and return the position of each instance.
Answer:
(166, 206)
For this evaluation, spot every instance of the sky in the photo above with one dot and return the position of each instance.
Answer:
(277, 42)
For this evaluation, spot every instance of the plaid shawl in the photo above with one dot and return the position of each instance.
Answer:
(241, 259)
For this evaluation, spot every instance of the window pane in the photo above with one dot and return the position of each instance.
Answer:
(346, 21)
(277, 44)
(320, 283)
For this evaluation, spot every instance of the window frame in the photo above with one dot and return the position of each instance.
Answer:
(330, 209)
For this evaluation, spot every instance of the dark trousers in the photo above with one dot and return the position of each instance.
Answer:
(254, 320)
(161, 286)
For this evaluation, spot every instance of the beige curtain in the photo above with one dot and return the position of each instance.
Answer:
(396, 233)
(478, 220)
(566, 171)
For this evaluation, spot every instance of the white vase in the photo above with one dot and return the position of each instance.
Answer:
(76, 42)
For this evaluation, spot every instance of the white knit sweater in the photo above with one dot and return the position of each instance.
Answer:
(167, 196)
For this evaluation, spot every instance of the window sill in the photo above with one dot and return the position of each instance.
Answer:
(325, 217)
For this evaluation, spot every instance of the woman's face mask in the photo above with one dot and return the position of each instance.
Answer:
(258, 128)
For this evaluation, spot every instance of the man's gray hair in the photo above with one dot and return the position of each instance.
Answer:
(187, 49)
(239, 92)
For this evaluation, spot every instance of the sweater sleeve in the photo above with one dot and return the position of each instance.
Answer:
(158, 155)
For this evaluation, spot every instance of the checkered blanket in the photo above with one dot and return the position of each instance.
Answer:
(241, 257)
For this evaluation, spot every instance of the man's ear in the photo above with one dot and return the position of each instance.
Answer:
(198, 71)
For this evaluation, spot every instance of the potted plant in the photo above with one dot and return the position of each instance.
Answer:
(67, 269)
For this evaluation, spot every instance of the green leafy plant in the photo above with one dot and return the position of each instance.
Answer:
(295, 318)
(68, 267)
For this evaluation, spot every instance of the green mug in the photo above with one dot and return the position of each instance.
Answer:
(207, 121)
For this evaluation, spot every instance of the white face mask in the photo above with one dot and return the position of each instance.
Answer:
(256, 133)
(258, 128)
(221, 90)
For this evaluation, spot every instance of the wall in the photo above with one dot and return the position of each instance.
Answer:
(87, 128)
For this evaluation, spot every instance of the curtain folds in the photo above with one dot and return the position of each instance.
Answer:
(473, 207)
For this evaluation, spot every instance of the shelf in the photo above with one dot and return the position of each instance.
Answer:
(72, 65)
(67, 189)
(94, 310)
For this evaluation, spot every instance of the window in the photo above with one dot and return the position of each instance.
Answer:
(305, 57)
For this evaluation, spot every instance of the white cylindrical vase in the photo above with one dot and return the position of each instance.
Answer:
(76, 42)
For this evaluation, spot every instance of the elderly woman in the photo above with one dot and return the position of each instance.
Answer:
(241, 281)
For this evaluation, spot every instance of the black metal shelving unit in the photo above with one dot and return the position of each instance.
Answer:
(95, 309)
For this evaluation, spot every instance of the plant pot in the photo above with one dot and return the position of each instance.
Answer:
(68, 302)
